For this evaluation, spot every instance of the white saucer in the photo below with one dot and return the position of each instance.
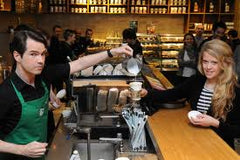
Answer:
(193, 114)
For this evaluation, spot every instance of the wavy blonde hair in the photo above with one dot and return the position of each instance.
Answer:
(224, 90)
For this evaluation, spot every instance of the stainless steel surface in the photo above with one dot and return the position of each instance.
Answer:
(90, 99)
(61, 148)
(109, 116)
(104, 151)
(92, 120)
(86, 131)
(111, 140)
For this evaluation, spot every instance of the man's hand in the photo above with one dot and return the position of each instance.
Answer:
(122, 50)
(33, 149)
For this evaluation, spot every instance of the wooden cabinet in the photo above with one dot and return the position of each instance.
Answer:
(5, 5)
(21, 6)
(58, 6)
(194, 11)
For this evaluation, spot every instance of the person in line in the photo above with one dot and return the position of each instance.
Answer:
(234, 41)
(214, 92)
(199, 38)
(53, 51)
(77, 46)
(187, 59)
(130, 37)
(66, 46)
(218, 32)
(67, 54)
(24, 95)
(54, 44)
(82, 43)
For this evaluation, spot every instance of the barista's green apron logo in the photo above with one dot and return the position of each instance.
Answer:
(41, 111)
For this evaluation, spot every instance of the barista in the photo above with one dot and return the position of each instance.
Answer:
(130, 37)
(24, 95)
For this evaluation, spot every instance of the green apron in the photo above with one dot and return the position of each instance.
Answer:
(32, 125)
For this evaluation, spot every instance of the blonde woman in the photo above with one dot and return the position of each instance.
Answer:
(215, 92)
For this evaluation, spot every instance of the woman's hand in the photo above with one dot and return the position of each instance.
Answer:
(205, 121)
(143, 92)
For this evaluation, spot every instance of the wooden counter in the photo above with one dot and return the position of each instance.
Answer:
(176, 138)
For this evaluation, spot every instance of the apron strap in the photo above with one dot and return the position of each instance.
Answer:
(20, 94)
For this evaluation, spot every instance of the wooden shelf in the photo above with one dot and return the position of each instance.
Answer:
(207, 17)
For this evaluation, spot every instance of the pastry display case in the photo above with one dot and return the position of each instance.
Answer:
(161, 50)
(170, 46)
(151, 47)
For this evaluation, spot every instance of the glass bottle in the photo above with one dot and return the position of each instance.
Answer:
(195, 8)
(40, 6)
(227, 7)
(211, 7)
(1, 5)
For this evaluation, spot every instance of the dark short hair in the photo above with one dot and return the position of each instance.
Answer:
(67, 33)
(233, 33)
(87, 30)
(129, 33)
(219, 24)
(20, 38)
(23, 27)
(56, 26)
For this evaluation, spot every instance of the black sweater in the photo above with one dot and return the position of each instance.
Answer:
(191, 90)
